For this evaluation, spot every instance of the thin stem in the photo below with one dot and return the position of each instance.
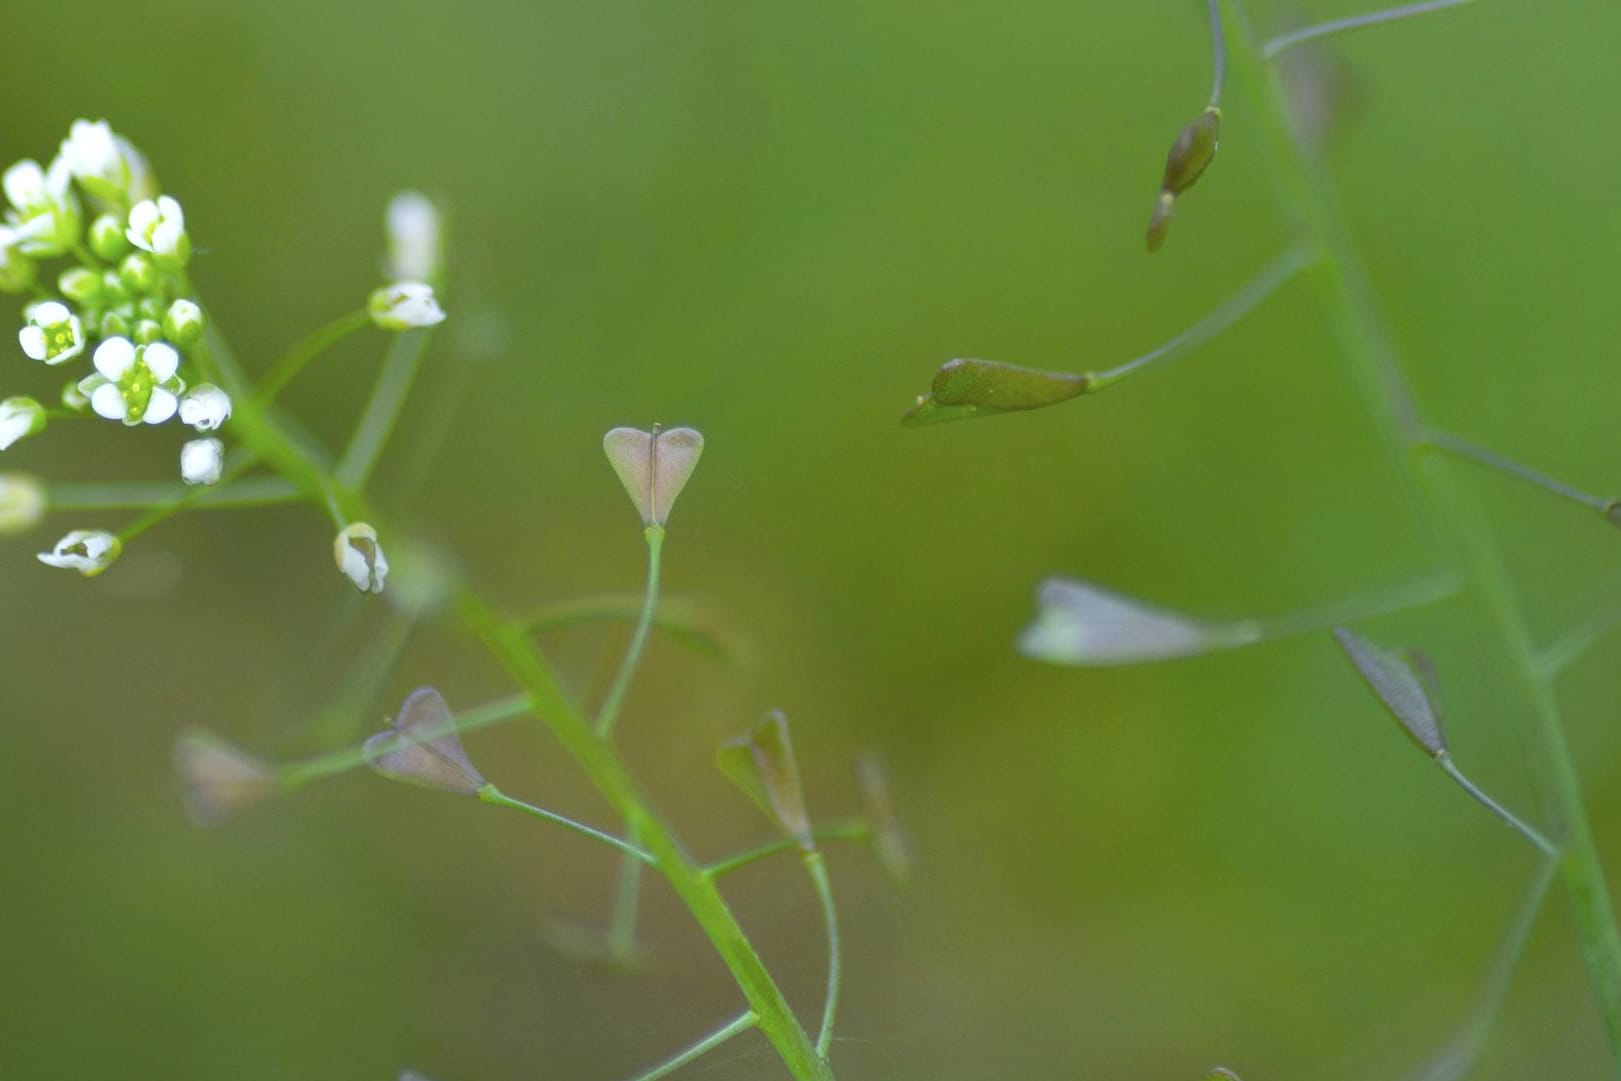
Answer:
(679, 620)
(1218, 51)
(295, 774)
(1474, 452)
(492, 795)
(1457, 1060)
(383, 408)
(627, 903)
(853, 830)
(306, 349)
(1283, 42)
(188, 497)
(1444, 760)
(608, 716)
(1427, 590)
(1272, 277)
(252, 492)
(1349, 302)
(835, 960)
(741, 1025)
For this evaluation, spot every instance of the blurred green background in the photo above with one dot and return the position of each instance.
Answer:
(773, 221)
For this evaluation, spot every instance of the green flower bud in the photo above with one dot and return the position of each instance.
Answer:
(115, 324)
(150, 307)
(75, 399)
(80, 285)
(138, 273)
(183, 323)
(148, 331)
(107, 238)
(112, 288)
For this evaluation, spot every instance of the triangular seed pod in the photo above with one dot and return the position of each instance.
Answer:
(1078, 623)
(653, 466)
(421, 747)
(1405, 684)
(762, 764)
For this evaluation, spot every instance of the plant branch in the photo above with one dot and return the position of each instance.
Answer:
(835, 957)
(1284, 42)
(492, 795)
(608, 715)
(734, 1028)
(1474, 452)
(306, 349)
(145, 495)
(1514, 822)
(853, 830)
(1349, 302)
(382, 408)
(1218, 54)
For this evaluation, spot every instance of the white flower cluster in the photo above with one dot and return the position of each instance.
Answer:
(415, 260)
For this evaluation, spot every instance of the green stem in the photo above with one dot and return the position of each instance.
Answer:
(702, 1047)
(1284, 42)
(835, 960)
(189, 496)
(382, 408)
(494, 796)
(509, 644)
(1569, 647)
(678, 620)
(306, 349)
(627, 903)
(1444, 760)
(1348, 300)
(253, 492)
(608, 716)
(1474, 452)
(853, 830)
(1428, 590)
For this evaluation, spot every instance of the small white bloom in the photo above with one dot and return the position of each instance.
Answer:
(414, 235)
(159, 226)
(22, 502)
(19, 417)
(88, 551)
(205, 408)
(134, 383)
(53, 334)
(201, 461)
(359, 556)
(404, 306)
(45, 219)
(92, 154)
(183, 322)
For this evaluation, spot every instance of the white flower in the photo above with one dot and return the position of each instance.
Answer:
(134, 383)
(53, 334)
(405, 306)
(88, 551)
(205, 408)
(159, 226)
(22, 502)
(360, 558)
(93, 155)
(45, 218)
(19, 417)
(201, 461)
(414, 236)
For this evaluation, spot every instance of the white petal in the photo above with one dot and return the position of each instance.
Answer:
(166, 238)
(201, 461)
(170, 209)
(162, 361)
(114, 358)
(108, 402)
(24, 184)
(33, 342)
(50, 313)
(161, 406)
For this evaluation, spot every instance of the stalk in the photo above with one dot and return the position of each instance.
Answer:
(1348, 300)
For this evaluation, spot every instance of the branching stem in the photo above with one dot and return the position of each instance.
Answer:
(1284, 42)
(702, 1047)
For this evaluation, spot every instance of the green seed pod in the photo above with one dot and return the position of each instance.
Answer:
(1190, 155)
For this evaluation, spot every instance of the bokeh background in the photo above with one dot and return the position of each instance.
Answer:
(773, 221)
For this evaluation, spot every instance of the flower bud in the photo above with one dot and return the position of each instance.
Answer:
(1190, 155)
(653, 466)
(205, 407)
(20, 418)
(217, 779)
(107, 238)
(415, 238)
(147, 331)
(17, 271)
(113, 291)
(360, 558)
(183, 322)
(73, 398)
(202, 461)
(53, 334)
(116, 324)
(405, 306)
(22, 502)
(138, 273)
(762, 764)
(79, 285)
(93, 155)
(421, 747)
(88, 551)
